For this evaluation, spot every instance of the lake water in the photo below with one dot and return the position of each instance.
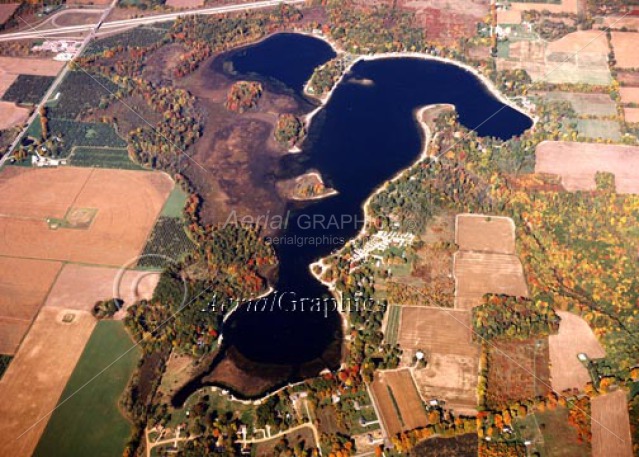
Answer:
(364, 135)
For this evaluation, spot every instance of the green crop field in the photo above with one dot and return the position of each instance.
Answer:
(90, 422)
(392, 326)
(102, 158)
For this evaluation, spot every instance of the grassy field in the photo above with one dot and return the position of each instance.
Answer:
(102, 158)
(392, 327)
(175, 203)
(551, 434)
(90, 422)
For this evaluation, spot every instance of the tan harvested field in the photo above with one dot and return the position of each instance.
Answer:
(579, 57)
(411, 412)
(44, 363)
(617, 22)
(566, 6)
(631, 115)
(511, 16)
(478, 273)
(81, 286)
(389, 418)
(610, 424)
(125, 206)
(477, 232)
(6, 79)
(444, 335)
(7, 10)
(12, 115)
(30, 66)
(585, 104)
(629, 94)
(575, 336)
(486, 260)
(408, 400)
(628, 78)
(625, 46)
(577, 164)
(184, 3)
(24, 285)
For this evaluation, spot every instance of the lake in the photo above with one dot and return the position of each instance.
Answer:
(363, 136)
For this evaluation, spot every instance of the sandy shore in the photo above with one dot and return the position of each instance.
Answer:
(488, 84)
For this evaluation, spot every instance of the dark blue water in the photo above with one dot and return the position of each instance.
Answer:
(286, 58)
(364, 135)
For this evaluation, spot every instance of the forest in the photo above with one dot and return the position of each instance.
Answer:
(243, 96)
(502, 316)
(289, 130)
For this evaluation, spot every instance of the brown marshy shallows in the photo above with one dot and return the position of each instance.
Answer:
(234, 165)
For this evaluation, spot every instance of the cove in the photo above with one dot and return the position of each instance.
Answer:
(364, 135)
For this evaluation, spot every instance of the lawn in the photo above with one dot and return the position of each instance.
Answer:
(90, 422)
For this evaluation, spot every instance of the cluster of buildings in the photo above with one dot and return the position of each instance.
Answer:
(64, 50)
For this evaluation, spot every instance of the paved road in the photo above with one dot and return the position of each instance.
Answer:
(101, 26)
(57, 81)
(141, 20)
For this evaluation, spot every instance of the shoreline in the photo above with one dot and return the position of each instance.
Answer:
(324, 99)
(323, 265)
